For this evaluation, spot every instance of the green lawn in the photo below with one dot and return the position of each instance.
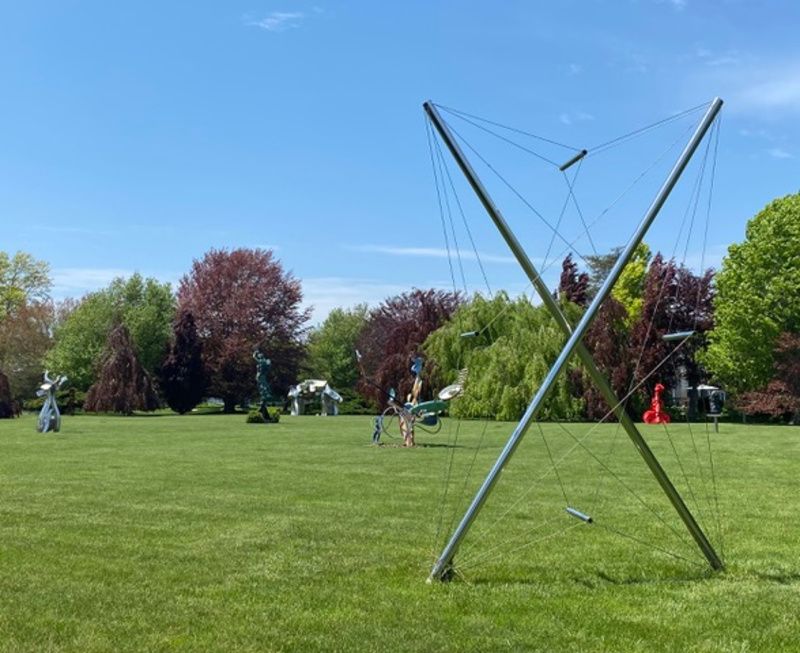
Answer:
(203, 533)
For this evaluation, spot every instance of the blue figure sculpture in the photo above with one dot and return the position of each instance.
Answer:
(49, 417)
(264, 391)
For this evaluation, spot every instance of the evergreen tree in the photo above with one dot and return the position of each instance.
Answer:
(122, 385)
(182, 377)
(6, 402)
(574, 285)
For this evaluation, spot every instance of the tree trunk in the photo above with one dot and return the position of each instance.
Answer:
(230, 405)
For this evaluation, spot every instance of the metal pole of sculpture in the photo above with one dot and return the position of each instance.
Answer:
(50, 416)
(574, 344)
(265, 392)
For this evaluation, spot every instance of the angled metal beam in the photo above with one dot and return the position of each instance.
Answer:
(574, 343)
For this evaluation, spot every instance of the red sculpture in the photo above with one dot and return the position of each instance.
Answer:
(656, 414)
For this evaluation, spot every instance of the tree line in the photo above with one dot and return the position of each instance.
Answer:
(137, 345)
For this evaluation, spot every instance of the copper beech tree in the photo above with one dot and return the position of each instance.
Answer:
(122, 385)
(242, 300)
(393, 335)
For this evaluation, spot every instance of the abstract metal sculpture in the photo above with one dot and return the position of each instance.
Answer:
(311, 390)
(656, 414)
(50, 416)
(443, 566)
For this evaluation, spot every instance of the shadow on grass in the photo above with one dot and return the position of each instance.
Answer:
(785, 578)
(678, 577)
(419, 445)
(599, 579)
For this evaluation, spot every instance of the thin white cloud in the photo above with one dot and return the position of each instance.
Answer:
(575, 116)
(575, 69)
(678, 5)
(78, 231)
(782, 91)
(766, 89)
(278, 21)
(78, 281)
(433, 252)
(779, 153)
(324, 294)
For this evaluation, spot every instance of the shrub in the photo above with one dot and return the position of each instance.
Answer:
(255, 417)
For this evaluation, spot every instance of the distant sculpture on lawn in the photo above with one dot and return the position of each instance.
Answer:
(49, 417)
(264, 391)
(311, 390)
(656, 414)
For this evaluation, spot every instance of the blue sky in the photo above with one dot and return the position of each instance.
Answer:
(137, 136)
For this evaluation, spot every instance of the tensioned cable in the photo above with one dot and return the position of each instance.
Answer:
(622, 195)
(561, 214)
(439, 200)
(579, 442)
(459, 113)
(605, 211)
(578, 209)
(440, 163)
(702, 263)
(596, 149)
(439, 179)
(514, 190)
(448, 469)
(552, 464)
(464, 220)
(496, 552)
(616, 477)
(510, 142)
(693, 203)
(651, 320)
(645, 543)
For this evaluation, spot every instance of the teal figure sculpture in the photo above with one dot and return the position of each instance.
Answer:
(50, 416)
(264, 391)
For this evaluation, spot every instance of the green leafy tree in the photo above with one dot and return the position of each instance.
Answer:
(23, 280)
(758, 298)
(26, 321)
(25, 337)
(781, 397)
(629, 288)
(515, 345)
(145, 306)
(331, 346)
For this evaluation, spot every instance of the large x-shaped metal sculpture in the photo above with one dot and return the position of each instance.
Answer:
(574, 343)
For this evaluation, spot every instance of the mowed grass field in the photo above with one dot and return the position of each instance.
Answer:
(203, 533)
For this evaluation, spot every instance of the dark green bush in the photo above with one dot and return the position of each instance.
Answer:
(254, 417)
(68, 399)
